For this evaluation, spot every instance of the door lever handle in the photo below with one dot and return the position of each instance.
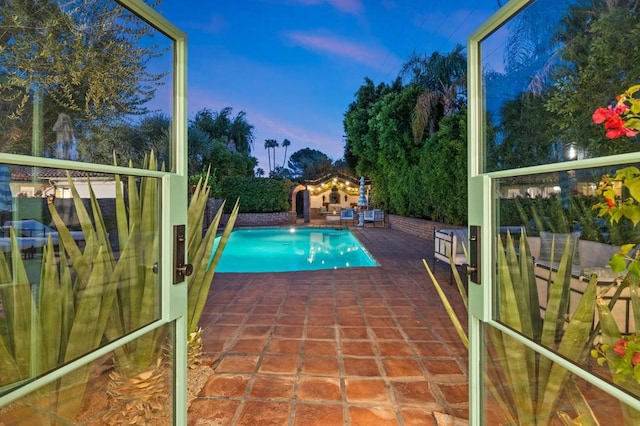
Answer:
(186, 269)
(469, 269)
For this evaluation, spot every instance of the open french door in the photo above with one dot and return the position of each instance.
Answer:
(92, 184)
(537, 167)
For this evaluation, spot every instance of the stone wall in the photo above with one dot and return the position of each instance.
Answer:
(417, 227)
(262, 219)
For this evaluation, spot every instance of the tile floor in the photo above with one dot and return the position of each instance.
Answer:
(362, 346)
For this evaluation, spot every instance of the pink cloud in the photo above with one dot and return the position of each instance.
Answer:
(367, 55)
(354, 7)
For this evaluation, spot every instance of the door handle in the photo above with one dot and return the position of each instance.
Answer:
(180, 268)
(473, 268)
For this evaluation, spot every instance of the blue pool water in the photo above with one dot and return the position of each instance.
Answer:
(292, 249)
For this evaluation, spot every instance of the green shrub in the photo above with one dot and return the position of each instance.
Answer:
(257, 195)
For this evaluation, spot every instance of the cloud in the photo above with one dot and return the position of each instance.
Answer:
(353, 7)
(364, 54)
(216, 25)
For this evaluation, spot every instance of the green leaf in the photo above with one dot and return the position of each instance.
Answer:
(618, 263)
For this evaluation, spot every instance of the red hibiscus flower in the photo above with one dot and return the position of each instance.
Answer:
(620, 347)
(610, 203)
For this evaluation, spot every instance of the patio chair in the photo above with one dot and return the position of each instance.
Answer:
(347, 215)
(374, 216)
(448, 248)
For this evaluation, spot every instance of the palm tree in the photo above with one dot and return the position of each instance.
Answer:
(260, 172)
(269, 143)
(219, 124)
(274, 145)
(241, 133)
(443, 78)
(285, 144)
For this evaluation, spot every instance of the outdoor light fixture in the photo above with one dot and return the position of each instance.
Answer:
(570, 152)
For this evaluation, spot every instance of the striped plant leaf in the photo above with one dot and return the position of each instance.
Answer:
(499, 396)
(572, 345)
(50, 308)
(201, 257)
(531, 388)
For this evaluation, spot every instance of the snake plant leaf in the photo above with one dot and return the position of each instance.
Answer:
(10, 371)
(610, 332)
(122, 221)
(572, 346)
(85, 326)
(499, 396)
(632, 279)
(83, 215)
(20, 310)
(81, 264)
(198, 289)
(528, 277)
(517, 366)
(521, 286)
(554, 322)
(195, 213)
(50, 308)
(447, 306)
(68, 298)
(558, 302)
(587, 417)
(100, 229)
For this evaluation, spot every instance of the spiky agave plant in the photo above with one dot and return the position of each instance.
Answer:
(64, 320)
(137, 388)
(204, 260)
(534, 385)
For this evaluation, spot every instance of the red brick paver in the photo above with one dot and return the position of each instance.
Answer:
(361, 346)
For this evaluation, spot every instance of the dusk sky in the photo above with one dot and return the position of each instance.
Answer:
(294, 66)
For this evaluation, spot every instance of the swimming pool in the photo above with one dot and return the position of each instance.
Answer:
(292, 249)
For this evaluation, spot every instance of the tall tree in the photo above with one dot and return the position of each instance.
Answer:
(270, 144)
(238, 131)
(241, 133)
(592, 72)
(443, 79)
(360, 151)
(309, 163)
(285, 143)
(87, 59)
(274, 145)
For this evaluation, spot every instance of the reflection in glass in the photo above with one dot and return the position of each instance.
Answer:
(555, 211)
(80, 80)
(519, 393)
(95, 395)
(557, 248)
(546, 71)
(78, 266)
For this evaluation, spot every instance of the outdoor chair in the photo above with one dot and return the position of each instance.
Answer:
(374, 216)
(448, 247)
(347, 215)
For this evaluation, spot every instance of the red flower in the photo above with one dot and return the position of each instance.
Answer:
(601, 114)
(614, 124)
(610, 203)
(620, 347)
(635, 359)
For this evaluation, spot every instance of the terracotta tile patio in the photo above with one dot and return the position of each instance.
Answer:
(361, 346)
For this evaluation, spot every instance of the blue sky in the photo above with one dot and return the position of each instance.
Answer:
(295, 65)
